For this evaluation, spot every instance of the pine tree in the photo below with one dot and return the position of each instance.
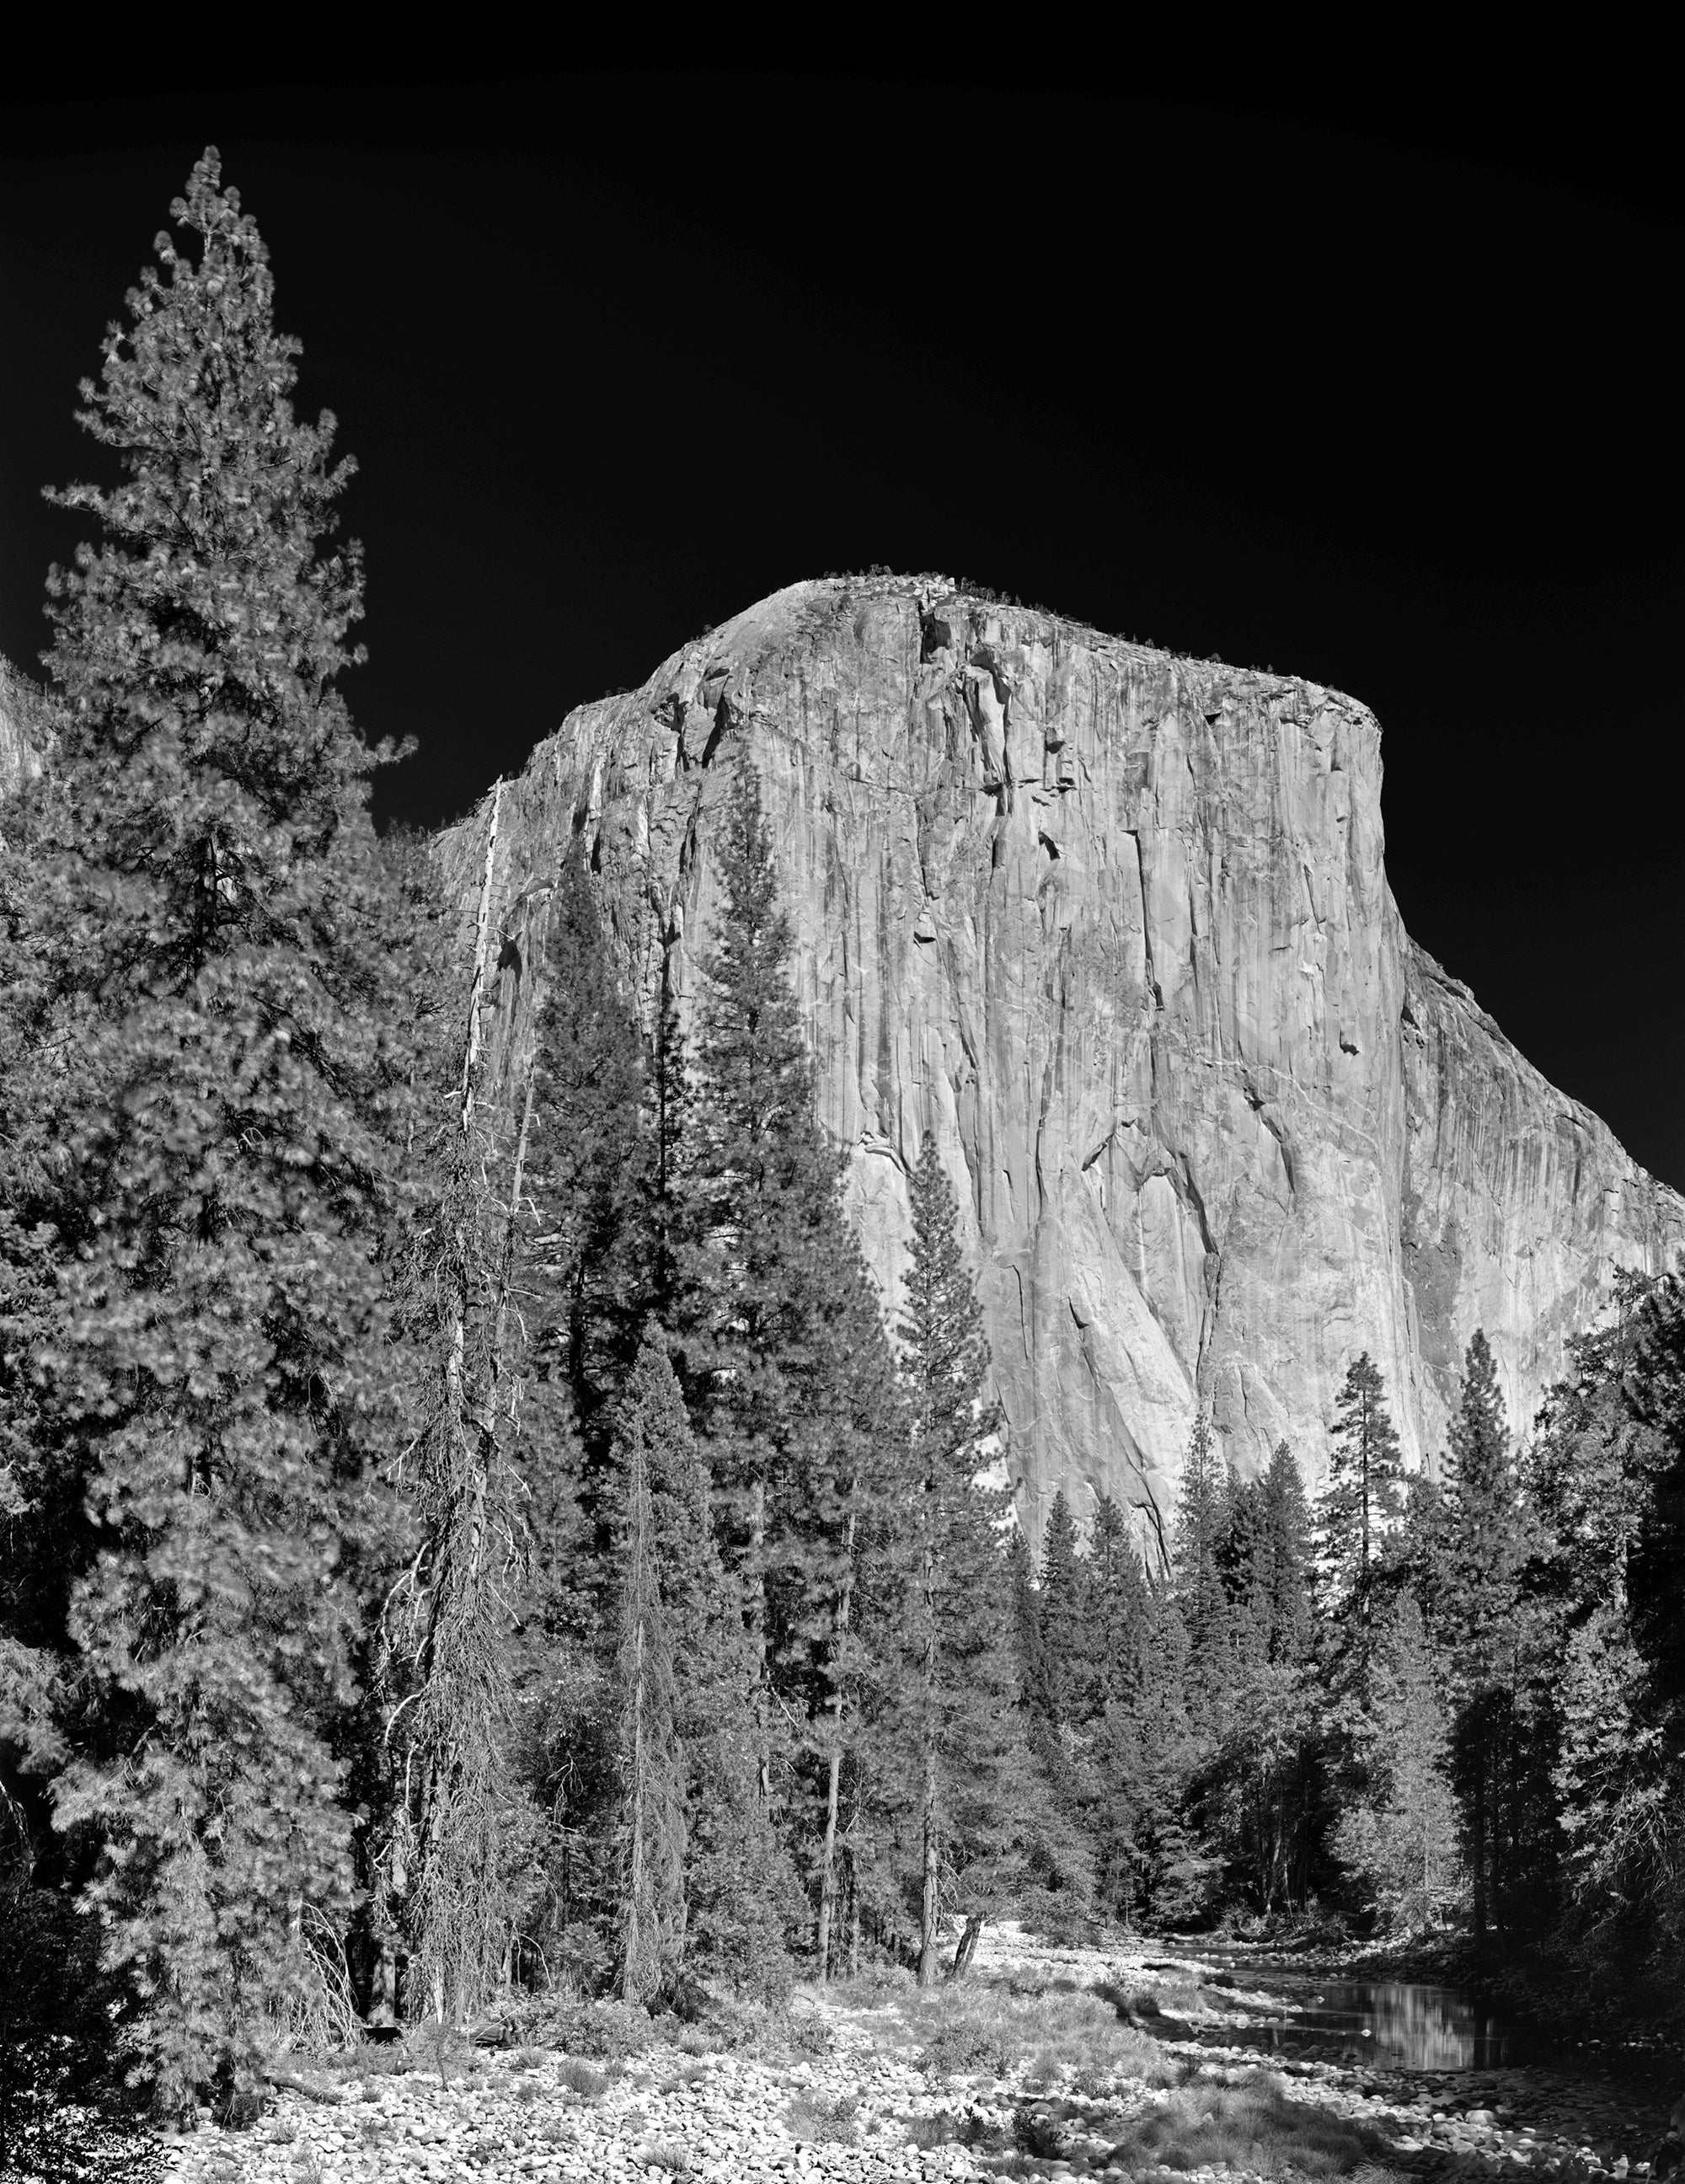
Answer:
(776, 1328)
(1481, 1564)
(1259, 1791)
(1176, 1864)
(1063, 1612)
(1288, 1560)
(460, 1864)
(956, 1637)
(1029, 1655)
(1196, 1576)
(1483, 1540)
(1360, 1499)
(742, 1898)
(1243, 1561)
(1118, 1607)
(590, 1170)
(1400, 1839)
(1116, 1636)
(652, 1911)
(1591, 1838)
(219, 1045)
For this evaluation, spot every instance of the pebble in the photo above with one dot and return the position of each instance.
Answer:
(717, 2119)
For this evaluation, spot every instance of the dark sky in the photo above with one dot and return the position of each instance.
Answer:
(1383, 393)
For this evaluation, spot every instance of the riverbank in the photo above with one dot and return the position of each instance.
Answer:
(1559, 2000)
(1045, 2062)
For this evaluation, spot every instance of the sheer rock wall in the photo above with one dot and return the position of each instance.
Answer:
(24, 731)
(1116, 926)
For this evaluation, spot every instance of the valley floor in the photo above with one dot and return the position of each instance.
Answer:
(1022, 2070)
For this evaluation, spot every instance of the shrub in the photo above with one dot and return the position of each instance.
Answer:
(1253, 2126)
(974, 2027)
(574, 2076)
(369, 2058)
(49, 2133)
(1036, 2134)
(605, 2031)
(819, 2123)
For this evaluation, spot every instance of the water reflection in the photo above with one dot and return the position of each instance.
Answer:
(1390, 2022)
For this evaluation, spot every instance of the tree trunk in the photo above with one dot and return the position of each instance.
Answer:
(932, 1906)
(827, 1870)
(1363, 1497)
(635, 1858)
(757, 1594)
(383, 1998)
(929, 1908)
(968, 1944)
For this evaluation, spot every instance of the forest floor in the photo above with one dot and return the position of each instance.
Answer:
(1045, 2061)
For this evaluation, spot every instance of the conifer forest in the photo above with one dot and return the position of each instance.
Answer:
(451, 1556)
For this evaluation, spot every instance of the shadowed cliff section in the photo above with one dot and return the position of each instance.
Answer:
(1116, 926)
(25, 733)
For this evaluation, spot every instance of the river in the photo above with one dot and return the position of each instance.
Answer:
(1399, 2024)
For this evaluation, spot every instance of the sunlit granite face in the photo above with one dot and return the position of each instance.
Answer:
(1116, 926)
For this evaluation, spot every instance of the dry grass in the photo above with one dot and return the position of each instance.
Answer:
(1253, 2126)
(822, 2122)
(975, 2027)
(575, 2076)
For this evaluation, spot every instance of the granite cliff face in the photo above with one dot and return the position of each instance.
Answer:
(24, 731)
(1116, 926)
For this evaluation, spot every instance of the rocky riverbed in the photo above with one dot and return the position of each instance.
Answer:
(868, 2081)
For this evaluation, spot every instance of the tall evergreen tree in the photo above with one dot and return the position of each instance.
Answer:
(1399, 1839)
(1483, 1549)
(652, 1920)
(1202, 1601)
(578, 1178)
(743, 1901)
(1063, 1607)
(1287, 1561)
(1260, 1790)
(1119, 1608)
(458, 1866)
(1029, 1654)
(590, 1171)
(1176, 1862)
(775, 1320)
(1118, 1635)
(219, 984)
(1360, 1499)
(957, 1644)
